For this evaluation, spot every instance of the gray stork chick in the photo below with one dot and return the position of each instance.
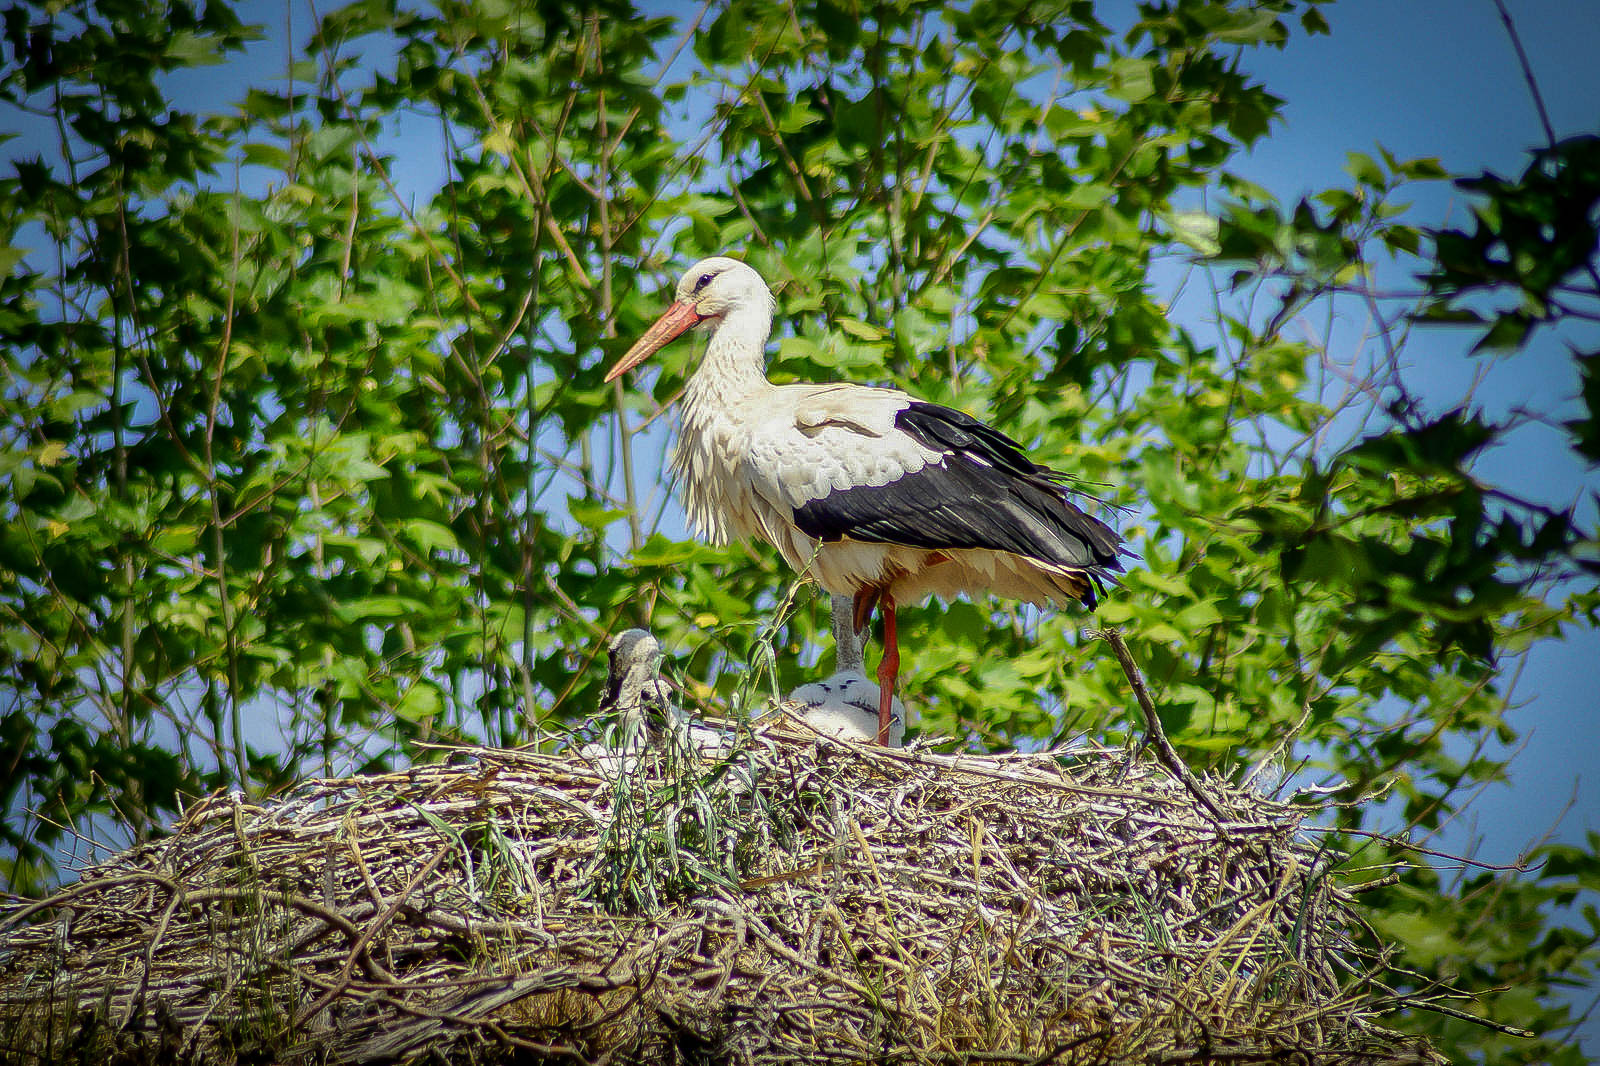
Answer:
(635, 694)
(641, 704)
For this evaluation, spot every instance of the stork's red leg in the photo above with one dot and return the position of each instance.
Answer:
(888, 669)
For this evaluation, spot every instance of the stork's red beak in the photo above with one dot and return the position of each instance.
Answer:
(678, 318)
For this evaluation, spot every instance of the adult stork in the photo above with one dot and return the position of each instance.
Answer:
(872, 493)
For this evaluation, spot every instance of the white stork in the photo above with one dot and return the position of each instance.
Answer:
(873, 493)
(846, 705)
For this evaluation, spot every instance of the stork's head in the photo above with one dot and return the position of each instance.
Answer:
(633, 650)
(707, 293)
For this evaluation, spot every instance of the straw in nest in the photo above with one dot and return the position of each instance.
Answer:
(793, 900)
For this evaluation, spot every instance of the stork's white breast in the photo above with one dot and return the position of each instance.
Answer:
(747, 465)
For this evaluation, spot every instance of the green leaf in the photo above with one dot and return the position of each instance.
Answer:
(422, 702)
(375, 607)
(429, 537)
(658, 551)
(1130, 79)
(863, 330)
(592, 514)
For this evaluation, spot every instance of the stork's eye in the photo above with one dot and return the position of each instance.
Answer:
(705, 279)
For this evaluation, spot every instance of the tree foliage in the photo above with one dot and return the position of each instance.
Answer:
(307, 458)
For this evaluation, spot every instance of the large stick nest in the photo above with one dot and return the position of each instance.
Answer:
(801, 900)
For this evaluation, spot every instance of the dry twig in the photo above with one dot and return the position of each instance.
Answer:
(814, 901)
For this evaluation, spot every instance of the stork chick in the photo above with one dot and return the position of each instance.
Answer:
(845, 706)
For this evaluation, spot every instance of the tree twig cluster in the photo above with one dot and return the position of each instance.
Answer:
(792, 900)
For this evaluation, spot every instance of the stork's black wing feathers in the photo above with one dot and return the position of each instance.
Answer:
(952, 430)
(986, 493)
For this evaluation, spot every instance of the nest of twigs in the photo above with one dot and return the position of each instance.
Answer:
(799, 900)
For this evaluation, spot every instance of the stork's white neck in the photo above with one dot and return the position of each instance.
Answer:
(734, 366)
(724, 396)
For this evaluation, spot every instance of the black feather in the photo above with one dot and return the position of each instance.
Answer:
(985, 493)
